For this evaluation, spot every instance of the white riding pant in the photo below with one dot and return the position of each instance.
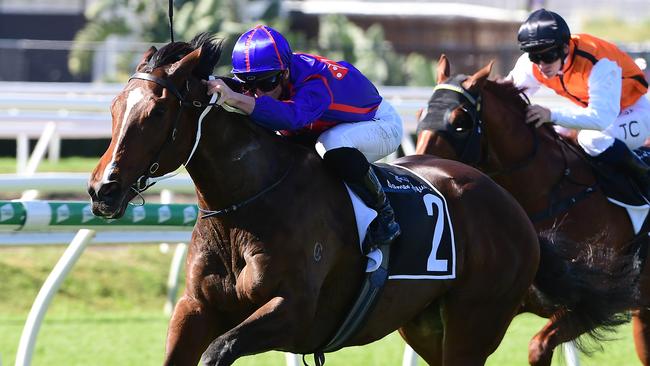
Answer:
(375, 139)
(632, 127)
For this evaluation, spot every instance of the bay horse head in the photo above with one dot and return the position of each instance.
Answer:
(451, 125)
(148, 136)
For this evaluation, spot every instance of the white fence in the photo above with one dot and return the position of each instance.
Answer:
(55, 111)
(156, 223)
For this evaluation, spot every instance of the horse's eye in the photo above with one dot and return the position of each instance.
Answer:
(461, 120)
(157, 112)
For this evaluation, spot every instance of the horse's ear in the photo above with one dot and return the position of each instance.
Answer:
(145, 58)
(184, 66)
(443, 71)
(479, 78)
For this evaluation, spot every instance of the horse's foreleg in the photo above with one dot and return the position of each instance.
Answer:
(190, 330)
(270, 327)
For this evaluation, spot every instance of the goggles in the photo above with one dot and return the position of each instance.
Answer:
(266, 84)
(547, 57)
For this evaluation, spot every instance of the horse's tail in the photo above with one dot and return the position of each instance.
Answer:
(588, 299)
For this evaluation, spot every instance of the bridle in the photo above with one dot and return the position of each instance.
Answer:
(470, 152)
(146, 180)
(555, 206)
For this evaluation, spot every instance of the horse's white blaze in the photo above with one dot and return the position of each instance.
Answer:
(135, 96)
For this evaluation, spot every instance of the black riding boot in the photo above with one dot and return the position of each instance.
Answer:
(384, 229)
(622, 158)
(351, 165)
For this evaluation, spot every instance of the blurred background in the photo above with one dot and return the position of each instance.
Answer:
(63, 61)
(395, 43)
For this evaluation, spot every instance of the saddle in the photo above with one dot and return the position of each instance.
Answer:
(622, 188)
(623, 191)
(424, 251)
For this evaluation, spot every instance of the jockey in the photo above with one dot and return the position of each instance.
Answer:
(612, 113)
(298, 93)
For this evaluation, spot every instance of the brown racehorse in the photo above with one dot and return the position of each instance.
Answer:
(481, 122)
(255, 281)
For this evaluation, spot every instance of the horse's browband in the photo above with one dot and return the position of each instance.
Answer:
(162, 82)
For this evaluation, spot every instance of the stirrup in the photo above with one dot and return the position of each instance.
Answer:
(378, 235)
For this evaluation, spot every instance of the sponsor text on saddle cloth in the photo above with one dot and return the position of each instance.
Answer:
(425, 249)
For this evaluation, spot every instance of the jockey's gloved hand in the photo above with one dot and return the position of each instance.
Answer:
(538, 115)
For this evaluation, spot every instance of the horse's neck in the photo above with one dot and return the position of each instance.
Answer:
(523, 154)
(235, 160)
(509, 139)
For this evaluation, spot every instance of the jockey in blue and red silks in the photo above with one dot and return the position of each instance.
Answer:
(298, 93)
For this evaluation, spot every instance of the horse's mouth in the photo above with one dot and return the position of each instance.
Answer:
(112, 206)
(108, 211)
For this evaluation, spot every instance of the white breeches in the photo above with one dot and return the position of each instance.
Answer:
(632, 127)
(375, 139)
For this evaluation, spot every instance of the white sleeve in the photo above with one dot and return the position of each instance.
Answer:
(522, 76)
(605, 84)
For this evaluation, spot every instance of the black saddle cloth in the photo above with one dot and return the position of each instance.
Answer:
(426, 248)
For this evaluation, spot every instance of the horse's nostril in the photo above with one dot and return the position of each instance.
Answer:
(109, 191)
(92, 193)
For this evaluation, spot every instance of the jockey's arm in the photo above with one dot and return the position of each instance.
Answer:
(605, 84)
(522, 76)
(227, 96)
(310, 101)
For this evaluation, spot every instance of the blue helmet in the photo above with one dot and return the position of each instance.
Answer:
(260, 51)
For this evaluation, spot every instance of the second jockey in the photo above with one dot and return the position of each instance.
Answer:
(612, 112)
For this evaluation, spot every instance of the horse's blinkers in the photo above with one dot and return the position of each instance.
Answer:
(447, 98)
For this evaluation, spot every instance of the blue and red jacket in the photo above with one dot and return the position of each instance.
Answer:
(322, 93)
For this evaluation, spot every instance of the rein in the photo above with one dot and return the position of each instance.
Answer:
(237, 206)
(474, 140)
(146, 180)
(554, 206)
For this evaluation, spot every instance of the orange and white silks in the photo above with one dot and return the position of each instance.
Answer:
(584, 52)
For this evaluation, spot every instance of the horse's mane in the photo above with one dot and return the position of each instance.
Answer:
(507, 91)
(515, 98)
(174, 51)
